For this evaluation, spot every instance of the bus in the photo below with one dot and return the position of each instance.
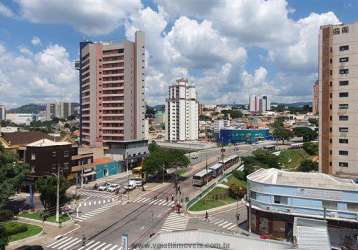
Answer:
(202, 177)
(137, 174)
(217, 169)
(230, 161)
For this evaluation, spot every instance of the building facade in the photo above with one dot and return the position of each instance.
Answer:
(21, 118)
(2, 113)
(338, 99)
(182, 119)
(315, 98)
(275, 197)
(234, 135)
(112, 91)
(60, 110)
(259, 104)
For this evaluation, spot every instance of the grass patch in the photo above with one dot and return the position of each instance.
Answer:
(31, 230)
(291, 158)
(37, 216)
(215, 198)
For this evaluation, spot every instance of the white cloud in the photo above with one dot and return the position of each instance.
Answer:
(86, 16)
(48, 75)
(36, 41)
(5, 11)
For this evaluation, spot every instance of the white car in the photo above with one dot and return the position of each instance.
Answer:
(136, 182)
(131, 186)
(194, 157)
(113, 187)
(104, 187)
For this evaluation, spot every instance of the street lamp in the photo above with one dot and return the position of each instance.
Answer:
(57, 194)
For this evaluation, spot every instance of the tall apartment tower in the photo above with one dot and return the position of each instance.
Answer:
(2, 112)
(182, 121)
(338, 99)
(315, 98)
(60, 110)
(112, 91)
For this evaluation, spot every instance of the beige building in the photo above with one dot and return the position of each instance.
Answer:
(315, 98)
(338, 100)
(112, 91)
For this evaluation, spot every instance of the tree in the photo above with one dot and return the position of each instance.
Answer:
(267, 158)
(12, 174)
(308, 165)
(236, 190)
(47, 186)
(311, 148)
(4, 238)
(278, 123)
(313, 121)
(234, 113)
(282, 134)
(307, 133)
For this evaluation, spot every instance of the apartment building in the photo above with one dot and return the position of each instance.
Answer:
(182, 121)
(60, 110)
(338, 99)
(2, 112)
(315, 98)
(259, 104)
(112, 91)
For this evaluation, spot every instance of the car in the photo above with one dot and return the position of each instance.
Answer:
(104, 186)
(136, 182)
(113, 187)
(194, 156)
(129, 187)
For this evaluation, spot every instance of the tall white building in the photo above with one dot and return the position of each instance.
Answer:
(219, 124)
(182, 121)
(60, 110)
(259, 104)
(2, 112)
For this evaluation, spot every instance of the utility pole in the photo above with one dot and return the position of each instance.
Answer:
(126, 161)
(163, 172)
(58, 195)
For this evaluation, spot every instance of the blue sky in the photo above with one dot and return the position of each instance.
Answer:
(228, 49)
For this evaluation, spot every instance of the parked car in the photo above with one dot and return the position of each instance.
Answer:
(136, 182)
(194, 156)
(104, 186)
(113, 187)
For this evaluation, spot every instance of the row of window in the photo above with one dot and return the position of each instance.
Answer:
(65, 154)
(337, 31)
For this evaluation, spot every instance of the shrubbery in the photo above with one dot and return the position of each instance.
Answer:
(311, 148)
(15, 228)
(308, 166)
(6, 215)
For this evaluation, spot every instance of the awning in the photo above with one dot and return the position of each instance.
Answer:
(90, 173)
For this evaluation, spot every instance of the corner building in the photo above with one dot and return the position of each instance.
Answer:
(112, 91)
(338, 100)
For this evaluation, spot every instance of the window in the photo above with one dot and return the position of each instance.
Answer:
(65, 166)
(343, 48)
(352, 207)
(343, 129)
(53, 153)
(33, 156)
(65, 153)
(343, 71)
(343, 152)
(344, 59)
(343, 94)
(343, 83)
(336, 31)
(343, 141)
(343, 117)
(345, 29)
(343, 164)
(343, 106)
(330, 204)
(280, 199)
(252, 195)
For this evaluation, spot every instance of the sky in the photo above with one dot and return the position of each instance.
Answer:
(228, 49)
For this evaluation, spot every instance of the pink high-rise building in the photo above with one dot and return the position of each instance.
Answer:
(112, 91)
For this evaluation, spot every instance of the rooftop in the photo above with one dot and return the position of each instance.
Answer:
(301, 179)
(47, 143)
(23, 138)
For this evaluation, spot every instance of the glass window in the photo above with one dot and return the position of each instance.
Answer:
(343, 164)
(343, 48)
(330, 204)
(65, 153)
(344, 59)
(253, 195)
(343, 140)
(343, 117)
(343, 94)
(343, 83)
(352, 207)
(33, 156)
(336, 31)
(345, 29)
(343, 106)
(343, 71)
(343, 152)
(280, 199)
(343, 129)
(53, 153)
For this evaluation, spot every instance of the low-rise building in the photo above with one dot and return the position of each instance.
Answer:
(235, 135)
(21, 119)
(106, 166)
(275, 197)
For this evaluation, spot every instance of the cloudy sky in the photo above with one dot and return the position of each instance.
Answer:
(229, 49)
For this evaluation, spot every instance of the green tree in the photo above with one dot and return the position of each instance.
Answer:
(4, 238)
(47, 186)
(236, 190)
(282, 134)
(278, 123)
(234, 113)
(311, 148)
(266, 158)
(12, 174)
(308, 165)
(307, 133)
(313, 121)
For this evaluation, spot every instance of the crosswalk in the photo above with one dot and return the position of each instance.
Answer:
(99, 194)
(174, 222)
(99, 210)
(96, 202)
(222, 223)
(158, 202)
(72, 243)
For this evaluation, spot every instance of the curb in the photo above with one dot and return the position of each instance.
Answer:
(12, 243)
(234, 204)
(20, 218)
